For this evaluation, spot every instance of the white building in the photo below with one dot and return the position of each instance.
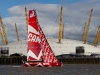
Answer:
(66, 47)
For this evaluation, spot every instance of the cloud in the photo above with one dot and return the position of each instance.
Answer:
(74, 17)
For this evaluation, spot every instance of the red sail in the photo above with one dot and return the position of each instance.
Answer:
(34, 52)
(39, 51)
(48, 54)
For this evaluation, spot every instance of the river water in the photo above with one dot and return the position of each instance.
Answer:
(67, 69)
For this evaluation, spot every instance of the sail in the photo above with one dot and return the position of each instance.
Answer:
(39, 52)
(34, 51)
(48, 55)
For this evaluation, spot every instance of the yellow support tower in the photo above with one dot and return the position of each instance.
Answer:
(62, 31)
(61, 27)
(26, 19)
(83, 36)
(17, 33)
(88, 27)
(2, 39)
(4, 31)
(97, 38)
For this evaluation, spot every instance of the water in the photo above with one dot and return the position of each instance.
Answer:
(68, 69)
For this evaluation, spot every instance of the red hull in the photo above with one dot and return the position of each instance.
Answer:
(42, 64)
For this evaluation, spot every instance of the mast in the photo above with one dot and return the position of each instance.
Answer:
(61, 27)
(26, 19)
(4, 32)
(88, 27)
(17, 33)
(97, 38)
(3, 42)
(83, 36)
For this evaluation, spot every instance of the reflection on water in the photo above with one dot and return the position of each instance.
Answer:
(68, 69)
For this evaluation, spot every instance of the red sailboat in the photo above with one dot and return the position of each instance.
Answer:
(39, 52)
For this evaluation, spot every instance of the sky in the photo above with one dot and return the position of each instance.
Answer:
(5, 5)
(75, 14)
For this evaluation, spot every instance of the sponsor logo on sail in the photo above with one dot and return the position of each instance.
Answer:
(33, 38)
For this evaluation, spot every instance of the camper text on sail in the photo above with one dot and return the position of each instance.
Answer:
(33, 38)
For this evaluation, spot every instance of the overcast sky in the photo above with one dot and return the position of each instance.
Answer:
(75, 14)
